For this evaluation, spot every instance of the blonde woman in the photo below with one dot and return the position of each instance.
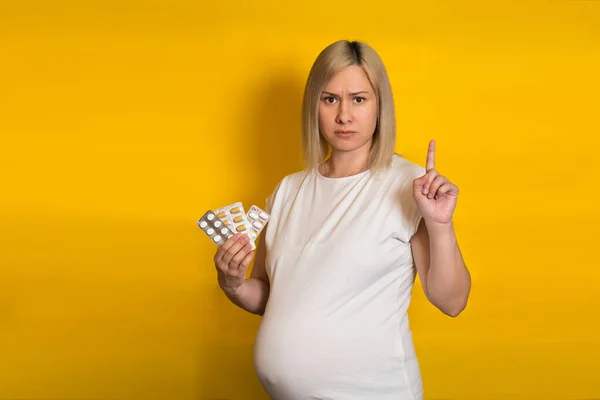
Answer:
(336, 265)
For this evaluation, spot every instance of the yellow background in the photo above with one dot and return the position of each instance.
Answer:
(122, 122)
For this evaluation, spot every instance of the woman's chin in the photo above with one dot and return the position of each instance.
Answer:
(345, 149)
(345, 145)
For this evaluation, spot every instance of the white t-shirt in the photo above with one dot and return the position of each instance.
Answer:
(341, 271)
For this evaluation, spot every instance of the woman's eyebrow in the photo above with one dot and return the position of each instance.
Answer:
(351, 94)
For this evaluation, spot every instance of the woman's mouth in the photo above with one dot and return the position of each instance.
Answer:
(344, 134)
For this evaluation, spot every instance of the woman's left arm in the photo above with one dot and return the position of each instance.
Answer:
(445, 278)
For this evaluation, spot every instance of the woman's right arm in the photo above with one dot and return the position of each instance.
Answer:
(232, 259)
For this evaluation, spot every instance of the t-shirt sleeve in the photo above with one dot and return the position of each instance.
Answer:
(411, 216)
(269, 201)
(413, 210)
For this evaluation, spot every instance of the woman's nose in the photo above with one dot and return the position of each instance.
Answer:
(343, 115)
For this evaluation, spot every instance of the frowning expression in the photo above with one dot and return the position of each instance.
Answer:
(348, 110)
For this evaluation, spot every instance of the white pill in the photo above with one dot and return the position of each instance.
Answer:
(218, 224)
(263, 216)
(253, 215)
(224, 231)
(210, 217)
(210, 231)
(203, 224)
(257, 225)
(217, 238)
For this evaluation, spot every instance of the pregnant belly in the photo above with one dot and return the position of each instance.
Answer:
(296, 358)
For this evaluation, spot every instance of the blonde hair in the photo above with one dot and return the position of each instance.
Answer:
(331, 60)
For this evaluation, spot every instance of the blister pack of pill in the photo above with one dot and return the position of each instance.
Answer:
(226, 221)
(234, 217)
(257, 218)
(214, 228)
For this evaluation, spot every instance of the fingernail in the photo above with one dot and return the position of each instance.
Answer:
(425, 191)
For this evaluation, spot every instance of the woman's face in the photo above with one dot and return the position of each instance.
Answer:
(348, 110)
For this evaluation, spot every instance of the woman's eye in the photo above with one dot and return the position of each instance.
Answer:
(359, 99)
(329, 100)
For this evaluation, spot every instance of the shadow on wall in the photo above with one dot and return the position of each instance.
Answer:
(275, 150)
(276, 125)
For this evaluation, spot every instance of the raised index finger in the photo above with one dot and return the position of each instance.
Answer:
(430, 156)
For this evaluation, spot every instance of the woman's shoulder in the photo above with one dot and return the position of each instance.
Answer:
(293, 179)
(401, 170)
(401, 164)
(296, 177)
(287, 183)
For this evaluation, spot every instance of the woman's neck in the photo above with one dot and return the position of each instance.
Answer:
(343, 165)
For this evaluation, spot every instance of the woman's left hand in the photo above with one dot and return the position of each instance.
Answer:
(434, 194)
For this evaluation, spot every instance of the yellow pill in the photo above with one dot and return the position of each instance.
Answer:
(222, 214)
(235, 210)
(238, 219)
(241, 228)
(226, 222)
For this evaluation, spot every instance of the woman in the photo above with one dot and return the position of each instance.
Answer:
(335, 267)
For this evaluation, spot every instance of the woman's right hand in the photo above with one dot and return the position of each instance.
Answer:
(232, 260)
